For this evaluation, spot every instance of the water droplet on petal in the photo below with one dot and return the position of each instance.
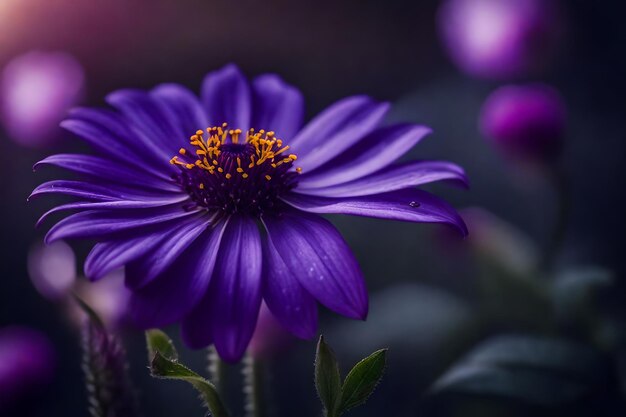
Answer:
(414, 204)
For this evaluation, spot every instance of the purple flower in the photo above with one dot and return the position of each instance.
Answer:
(525, 122)
(27, 361)
(36, 91)
(498, 38)
(209, 226)
(52, 269)
(107, 297)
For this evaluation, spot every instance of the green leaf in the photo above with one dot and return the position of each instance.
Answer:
(162, 367)
(327, 378)
(158, 341)
(164, 364)
(362, 380)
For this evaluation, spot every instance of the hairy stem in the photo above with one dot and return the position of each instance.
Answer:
(253, 387)
(216, 370)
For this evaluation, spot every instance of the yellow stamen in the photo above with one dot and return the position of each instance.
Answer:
(267, 148)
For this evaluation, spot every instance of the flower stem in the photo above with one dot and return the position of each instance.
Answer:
(253, 387)
(216, 370)
(561, 188)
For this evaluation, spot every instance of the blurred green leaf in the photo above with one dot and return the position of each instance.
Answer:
(538, 371)
(362, 380)
(513, 292)
(327, 378)
(514, 297)
(169, 368)
(575, 293)
(158, 341)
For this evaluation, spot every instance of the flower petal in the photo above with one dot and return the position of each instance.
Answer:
(113, 205)
(288, 301)
(108, 256)
(278, 106)
(109, 133)
(147, 119)
(154, 263)
(393, 178)
(109, 170)
(91, 191)
(105, 223)
(226, 98)
(228, 313)
(188, 113)
(379, 149)
(410, 205)
(320, 259)
(336, 129)
(169, 297)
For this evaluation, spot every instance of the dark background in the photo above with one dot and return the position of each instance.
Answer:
(389, 50)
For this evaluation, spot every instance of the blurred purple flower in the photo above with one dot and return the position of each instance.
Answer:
(108, 298)
(498, 38)
(186, 226)
(270, 338)
(52, 269)
(525, 122)
(36, 91)
(27, 362)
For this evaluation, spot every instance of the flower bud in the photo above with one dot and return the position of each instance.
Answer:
(525, 122)
(498, 38)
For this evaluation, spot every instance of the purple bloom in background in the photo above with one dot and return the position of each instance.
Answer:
(209, 226)
(36, 91)
(525, 122)
(27, 362)
(498, 38)
(108, 297)
(52, 269)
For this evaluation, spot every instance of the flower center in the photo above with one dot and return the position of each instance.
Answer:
(223, 173)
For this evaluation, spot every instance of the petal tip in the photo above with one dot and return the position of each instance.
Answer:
(192, 341)
(306, 331)
(462, 228)
(232, 354)
(362, 312)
